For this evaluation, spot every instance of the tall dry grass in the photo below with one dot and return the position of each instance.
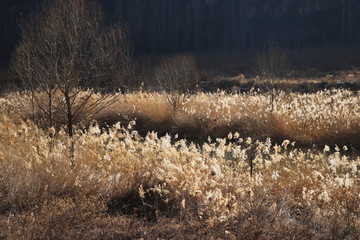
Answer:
(325, 117)
(125, 185)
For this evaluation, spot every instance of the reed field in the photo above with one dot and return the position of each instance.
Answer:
(220, 166)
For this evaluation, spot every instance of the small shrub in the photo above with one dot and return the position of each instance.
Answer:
(272, 63)
(177, 76)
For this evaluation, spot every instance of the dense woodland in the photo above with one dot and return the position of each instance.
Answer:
(227, 25)
(169, 26)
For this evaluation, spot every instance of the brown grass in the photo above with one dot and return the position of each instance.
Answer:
(325, 117)
(129, 186)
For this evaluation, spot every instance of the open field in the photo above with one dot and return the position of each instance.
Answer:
(288, 180)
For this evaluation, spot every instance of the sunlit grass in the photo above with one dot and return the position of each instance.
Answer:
(326, 117)
(231, 186)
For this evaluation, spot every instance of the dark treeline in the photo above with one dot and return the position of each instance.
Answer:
(227, 25)
(166, 26)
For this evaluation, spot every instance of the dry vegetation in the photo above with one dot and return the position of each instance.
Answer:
(126, 184)
(186, 165)
(325, 117)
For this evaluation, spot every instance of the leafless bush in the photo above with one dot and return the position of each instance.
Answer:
(178, 76)
(272, 63)
(64, 49)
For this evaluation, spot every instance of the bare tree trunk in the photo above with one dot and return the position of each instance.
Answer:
(196, 26)
(349, 22)
(343, 17)
(50, 118)
(70, 124)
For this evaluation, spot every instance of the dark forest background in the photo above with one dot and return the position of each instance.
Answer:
(216, 26)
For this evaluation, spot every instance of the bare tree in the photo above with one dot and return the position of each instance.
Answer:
(177, 76)
(272, 63)
(64, 50)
